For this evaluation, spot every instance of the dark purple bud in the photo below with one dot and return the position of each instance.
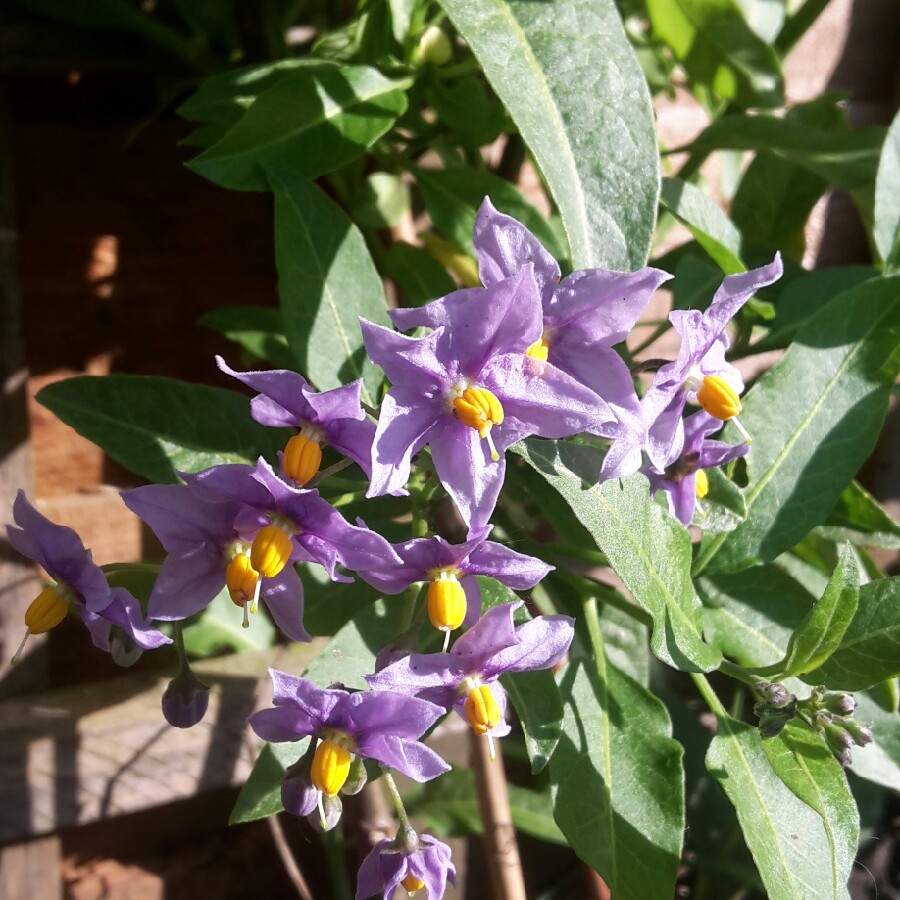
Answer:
(298, 796)
(840, 744)
(772, 727)
(861, 734)
(776, 695)
(185, 700)
(332, 808)
(840, 704)
(357, 778)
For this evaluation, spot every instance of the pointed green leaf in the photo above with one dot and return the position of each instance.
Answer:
(618, 781)
(869, 652)
(585, 116)
(535, 697)
(724, 507)
(260, 797)
(820, 632)
(326, 280)
(258, 329)
(814, 418)
(157, 427)
(887, 200)
(787, 837)
(806, 765)
(648, 549)
(316, 121)
(860, 519)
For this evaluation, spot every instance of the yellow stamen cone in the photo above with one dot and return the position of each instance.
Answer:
(701, 482)
(301, 459)
(330, 768)
(46, 611)
(478, 408)
(270, 551)
(446, 603)
(539, 350)
(411, 884)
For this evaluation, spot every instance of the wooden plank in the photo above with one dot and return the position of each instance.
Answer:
(92, 751)
(31, 871)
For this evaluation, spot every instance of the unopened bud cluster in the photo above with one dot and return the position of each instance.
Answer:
(828, 712)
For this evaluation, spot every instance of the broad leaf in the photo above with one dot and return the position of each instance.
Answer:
(648, 549)
(421, 277)
(453, 196)
(326, 281)
(219, 628)
(585, 116)
(887, 200)
(814, 418)
(806, 765)
(315, 121)
(724, 507)
(860, 519)
(714, 43)
(711, 228)
(787, 837)
(618, 783)
(870, 650)
(156, 427)
(258, 329)
(260, 797)
(626, 642)
(535, 697)
(820, 632)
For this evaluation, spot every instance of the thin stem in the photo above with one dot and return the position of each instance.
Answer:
(331, 470)
(288, 860)
(588, 587)
(707, 552)
(397, 799)
(183, 664)
(592, 617)
(738, 672)
(709, 695)
(654, 335)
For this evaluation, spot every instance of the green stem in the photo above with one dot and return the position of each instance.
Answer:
(738, 672)
(588, 588)
(709, 695)
(395, 796)
(592, 617)
(183, 664)
(331, 470)
(707, 553)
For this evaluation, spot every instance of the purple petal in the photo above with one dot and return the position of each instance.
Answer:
(369, 880)
(98, 627)
(405, 360)
(287, 390)
(494, 632)
(682, 497)
(187, 583)
(472, 590)
(435, 673)
(410, 758)
(125, 612)
(283, 596)
(373, 713)
(540, 644)
(282, 723)
(603, 371)
(515, 570)
(322, 705)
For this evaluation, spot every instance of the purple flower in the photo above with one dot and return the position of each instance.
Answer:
(584, 315)
(383, 726)
(469, 391)
(683, 478)
(454, 596)
(78, 583)
(185, 700)
(700, 374)
(420, 862)
(465, 678)
(332, 417)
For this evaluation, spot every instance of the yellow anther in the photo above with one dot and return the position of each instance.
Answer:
(701, 481)
(719, 398)
(241, 579)
(539, 350)
(411, 884)
(482, 712)
(330, 767)
(446, 602)
(46, 611)
(270, 551)
(480, 409)
(301, 459)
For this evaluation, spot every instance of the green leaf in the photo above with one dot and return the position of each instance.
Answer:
(449, 805)
(260, 797)
(806, 765)
(648, 549)
(870, 650)
(627, 644)
(887, 200)
(618, 783)
(314, 121)
(711, 228)
(219, 628)
(330, 605)
(465, 107)
(820, 632)
(724, 507)
(156, 427)
(878, 762)
(536, 699)
(717, 47)
(326, 280)
(847, 159)
(421, 277)
(814, 418)
(257, 329)
(380, 201)
(786, 836)
(453, 197)
(585, 116)
(751, 616)
(860, 519)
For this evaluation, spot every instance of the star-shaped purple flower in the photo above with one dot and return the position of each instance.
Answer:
(426, 867)
(469, 391)
(79, 582)
(432, 559)
(704, 340)
(679, 477)
(383, 726)
(334, 417)
(465, 678)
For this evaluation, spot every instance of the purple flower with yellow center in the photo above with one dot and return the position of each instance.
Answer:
(78, 583)
(335, 417)
(465, 679)
(383, 726)
(412, 861)
(700, 374)
(684, 478)
(454, 596)
(469, 391)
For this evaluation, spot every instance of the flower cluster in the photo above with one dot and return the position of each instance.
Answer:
(529, 353)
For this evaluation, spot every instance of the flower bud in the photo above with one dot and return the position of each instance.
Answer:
(298, 796)
(840, 743)
(434, 47)
(861, 734)
(840, 704)
(776, 695)
(185, 700)
(332, 809)
(772, 727)
(357, 777)
(407, 840)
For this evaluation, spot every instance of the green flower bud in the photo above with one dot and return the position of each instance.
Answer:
(434, 48)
